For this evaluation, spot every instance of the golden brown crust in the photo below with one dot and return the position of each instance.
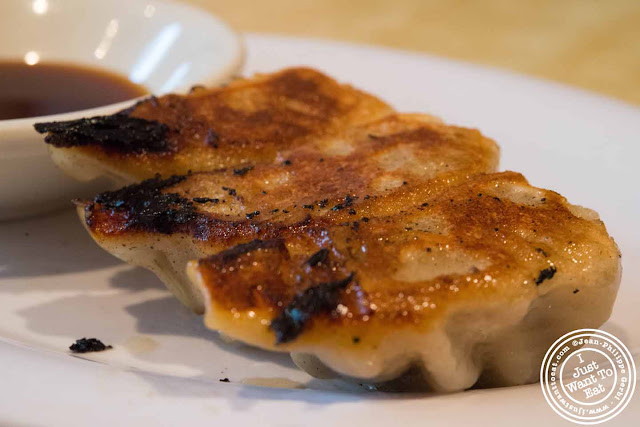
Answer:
(440, 248)
(439, 236)
(338, 181)
(320, 222)
(393, 153)
(247, 122)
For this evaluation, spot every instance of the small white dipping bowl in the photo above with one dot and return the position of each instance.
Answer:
(164, 46)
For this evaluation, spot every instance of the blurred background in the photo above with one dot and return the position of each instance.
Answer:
(593, 44)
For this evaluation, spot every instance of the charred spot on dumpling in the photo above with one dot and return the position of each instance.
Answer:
(317, 299)
(318, 257)
(146, 206)
(252, 215)
(242, 171)
(546, 274)
(234, 252)
(203, 200)
(117, 133)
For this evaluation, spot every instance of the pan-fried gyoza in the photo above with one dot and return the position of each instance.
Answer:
(370, 245)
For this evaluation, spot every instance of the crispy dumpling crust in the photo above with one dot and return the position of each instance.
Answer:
(218, 209)
(459, 270)
(246, 122)
(370, 244)
(376, 159)
(479, 239)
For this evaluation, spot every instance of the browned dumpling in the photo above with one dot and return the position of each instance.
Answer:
(370, 244)
(246, 122)
(187, 216)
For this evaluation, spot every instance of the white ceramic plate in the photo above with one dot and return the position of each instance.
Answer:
(56, 285)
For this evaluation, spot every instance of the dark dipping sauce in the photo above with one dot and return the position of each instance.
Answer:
(43, 89)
